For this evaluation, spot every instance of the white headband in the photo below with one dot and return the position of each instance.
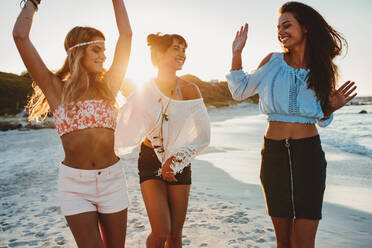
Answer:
(86, 43)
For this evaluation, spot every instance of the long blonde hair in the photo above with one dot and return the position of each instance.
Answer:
(77, 82)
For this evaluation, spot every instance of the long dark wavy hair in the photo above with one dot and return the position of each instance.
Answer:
(323, 44)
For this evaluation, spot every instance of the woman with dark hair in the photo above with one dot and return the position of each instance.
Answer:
(169, 118)
(296, 90)
(81, 96)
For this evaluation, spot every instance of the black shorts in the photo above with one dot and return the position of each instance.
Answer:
(294, 187)
(149, 164)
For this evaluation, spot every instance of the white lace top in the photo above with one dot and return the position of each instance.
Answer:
(176, 128)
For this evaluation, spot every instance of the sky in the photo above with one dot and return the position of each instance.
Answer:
(208, 26)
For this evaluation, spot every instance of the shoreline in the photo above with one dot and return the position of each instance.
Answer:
(19, 121)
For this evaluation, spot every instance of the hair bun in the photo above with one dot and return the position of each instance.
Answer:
(153, 39)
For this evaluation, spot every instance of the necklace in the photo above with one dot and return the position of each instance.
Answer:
(172, 90)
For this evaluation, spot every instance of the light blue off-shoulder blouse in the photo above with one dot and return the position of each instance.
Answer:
(283, 92)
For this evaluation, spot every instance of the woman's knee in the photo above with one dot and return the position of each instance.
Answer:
(305, 232)
(161, 234)
(304, 241)
(175, 235)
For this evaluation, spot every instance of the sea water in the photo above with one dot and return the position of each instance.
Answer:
(237, 136)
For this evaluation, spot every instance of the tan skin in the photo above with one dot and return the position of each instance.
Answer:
(299, 233)
(166, 205)
(89, 148)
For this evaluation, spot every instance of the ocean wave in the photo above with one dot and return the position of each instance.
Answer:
(347, 142)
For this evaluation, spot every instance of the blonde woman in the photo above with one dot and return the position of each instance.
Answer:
(81, 96)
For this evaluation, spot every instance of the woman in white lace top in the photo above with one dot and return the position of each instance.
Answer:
(168, 116)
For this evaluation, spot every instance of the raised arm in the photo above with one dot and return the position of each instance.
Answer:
(237, 47)
(44, 78)
(119, 66)
(243, 85)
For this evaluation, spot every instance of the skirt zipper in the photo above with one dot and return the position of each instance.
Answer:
(291, 175)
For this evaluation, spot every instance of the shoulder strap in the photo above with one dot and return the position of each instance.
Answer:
(179, 90)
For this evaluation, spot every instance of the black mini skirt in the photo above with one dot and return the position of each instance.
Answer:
(293, 176)
(149, 164)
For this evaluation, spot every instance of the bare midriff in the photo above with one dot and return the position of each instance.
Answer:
(285, 130)
(89, 149)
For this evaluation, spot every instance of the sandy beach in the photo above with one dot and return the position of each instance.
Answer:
(226, 207)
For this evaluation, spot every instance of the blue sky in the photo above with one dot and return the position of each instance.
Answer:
(208, 26)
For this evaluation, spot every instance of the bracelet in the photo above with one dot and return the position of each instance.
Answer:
(34, 3)
(22, 4)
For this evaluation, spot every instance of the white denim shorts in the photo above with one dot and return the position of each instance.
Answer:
(104, 190)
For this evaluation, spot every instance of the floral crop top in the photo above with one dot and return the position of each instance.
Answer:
(84, 114)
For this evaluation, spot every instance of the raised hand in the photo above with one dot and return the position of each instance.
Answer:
(338, 98)
(240, 39)
(117, 71)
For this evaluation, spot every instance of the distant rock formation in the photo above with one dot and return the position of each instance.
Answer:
(13, 91)
(216, 93)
